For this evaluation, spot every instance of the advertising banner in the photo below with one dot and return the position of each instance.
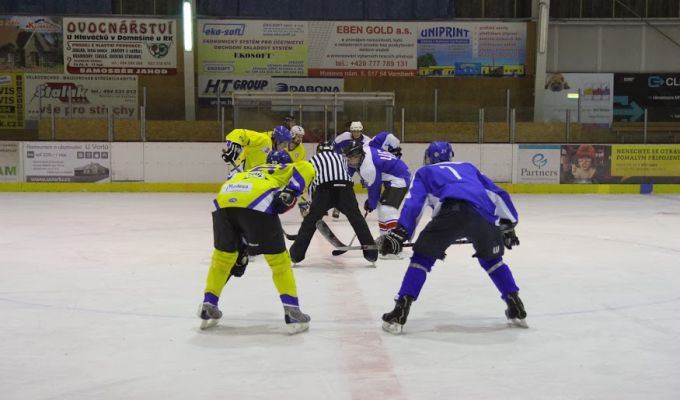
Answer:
(210, 85)
(657, 163)
(12, 89)
(31, 44)
(359, 48)
(242, 47)
(586, 163)
(563, 91)
(9, 161)
(538, 163)
(120, 46)
(658, 93)
(67, 162)
(450, 48)
(81, 96)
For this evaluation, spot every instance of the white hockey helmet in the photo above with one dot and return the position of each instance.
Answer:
(356, 126)
(297, 130)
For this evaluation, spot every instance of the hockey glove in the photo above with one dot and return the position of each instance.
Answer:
(367, 207)
(284, 200)
(232, 152)
(241, 263)
(393, 241)
(510, 238)
(304, 208)
(396, 151)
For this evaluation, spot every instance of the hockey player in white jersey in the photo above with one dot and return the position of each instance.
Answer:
(380, 169)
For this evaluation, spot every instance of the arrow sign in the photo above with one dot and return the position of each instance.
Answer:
(632, 113)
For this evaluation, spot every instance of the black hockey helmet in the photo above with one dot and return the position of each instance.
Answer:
(326, 145)
(354, 153)
(355, 148)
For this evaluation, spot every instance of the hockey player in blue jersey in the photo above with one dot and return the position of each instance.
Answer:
(466, 204)
(379, 168)
(388, 142)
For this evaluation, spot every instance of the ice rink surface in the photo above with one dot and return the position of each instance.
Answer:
(98, 294)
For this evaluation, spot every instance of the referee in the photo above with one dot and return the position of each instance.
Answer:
(332, 188)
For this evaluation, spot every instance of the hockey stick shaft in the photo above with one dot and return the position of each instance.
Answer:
(377, 247)
(338, 252)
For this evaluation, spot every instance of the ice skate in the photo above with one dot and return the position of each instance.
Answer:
(371, 256)
(296, 320)
(393, 321)
(209, 315)
(515, 311)
(392, 256)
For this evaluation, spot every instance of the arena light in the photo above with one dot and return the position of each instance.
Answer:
(572, 95)
(187, 19)
(543, 18)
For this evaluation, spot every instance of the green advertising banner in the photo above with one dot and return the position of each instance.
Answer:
(252, 47)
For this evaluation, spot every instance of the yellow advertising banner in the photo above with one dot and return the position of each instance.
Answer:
(646, 160)
(11, 100)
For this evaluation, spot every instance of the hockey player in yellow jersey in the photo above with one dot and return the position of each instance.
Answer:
(295, 148)
(246, 220)
(246, 149)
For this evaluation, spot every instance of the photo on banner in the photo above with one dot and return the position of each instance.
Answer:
(450, 48)
(591, 92)
(31, 44)
(586, 163)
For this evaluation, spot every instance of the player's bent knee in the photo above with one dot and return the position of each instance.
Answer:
(491, 264)
(422, 262)
(278, 262)
(223, 260)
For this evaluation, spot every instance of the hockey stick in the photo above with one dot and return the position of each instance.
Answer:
(338, 252)
(326, 232)
(289, 236)
(377, 247)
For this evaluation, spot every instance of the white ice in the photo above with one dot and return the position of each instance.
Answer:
(98, 294)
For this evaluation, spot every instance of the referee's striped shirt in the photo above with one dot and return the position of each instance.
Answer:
(330, 167)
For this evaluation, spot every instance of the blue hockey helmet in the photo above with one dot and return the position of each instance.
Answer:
(281, 134)
(279, 157)
(438, 152)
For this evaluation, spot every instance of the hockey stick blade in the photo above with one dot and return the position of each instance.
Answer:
(326, 232)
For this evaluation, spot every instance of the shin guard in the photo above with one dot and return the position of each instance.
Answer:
(500, 274)
(415, 276)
